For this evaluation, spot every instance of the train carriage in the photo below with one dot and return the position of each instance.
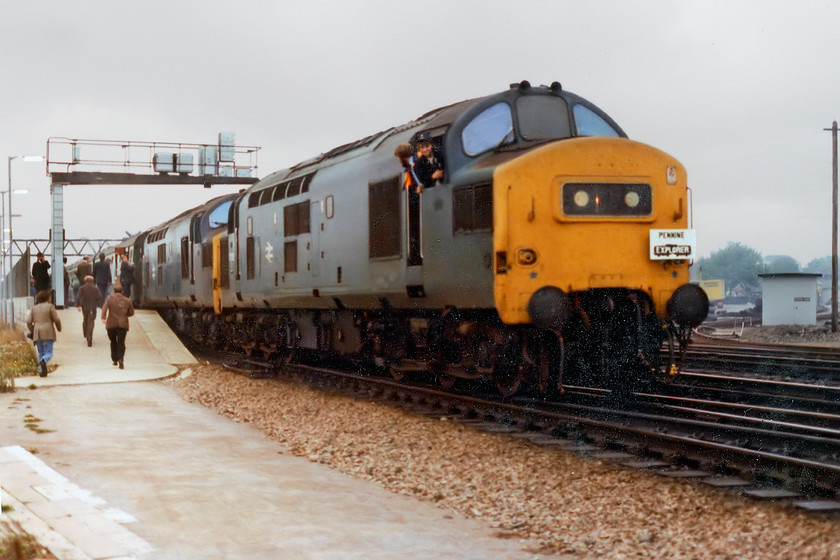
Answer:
(174, 261)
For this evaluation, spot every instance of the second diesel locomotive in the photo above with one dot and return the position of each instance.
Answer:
(541, 253)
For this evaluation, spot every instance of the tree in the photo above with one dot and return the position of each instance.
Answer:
(736, 264)
(780, 264)
(821, 265)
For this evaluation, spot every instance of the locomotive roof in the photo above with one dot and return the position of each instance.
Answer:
(435, 119)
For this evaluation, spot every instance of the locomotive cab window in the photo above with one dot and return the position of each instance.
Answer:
(491, 129)
(590, 123)
(220, 215)
(543, 118)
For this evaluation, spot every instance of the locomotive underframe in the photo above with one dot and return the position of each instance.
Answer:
(613, 338)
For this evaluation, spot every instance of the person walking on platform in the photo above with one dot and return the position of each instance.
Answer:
(42, 322)
(126, 276)
(66, 284)
(115, 313)
(102, 277)
(84, 269)
(86, 301)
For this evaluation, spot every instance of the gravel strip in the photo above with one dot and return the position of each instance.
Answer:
(574, 506)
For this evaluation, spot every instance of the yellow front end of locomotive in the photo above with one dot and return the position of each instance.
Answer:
(578, 214)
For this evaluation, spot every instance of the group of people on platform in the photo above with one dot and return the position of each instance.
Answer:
(95, 291)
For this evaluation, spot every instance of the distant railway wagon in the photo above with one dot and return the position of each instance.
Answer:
(552, 246)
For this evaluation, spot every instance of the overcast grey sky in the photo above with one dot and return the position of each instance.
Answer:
(739, 92)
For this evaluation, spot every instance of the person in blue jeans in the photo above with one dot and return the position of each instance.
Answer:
(43, 322)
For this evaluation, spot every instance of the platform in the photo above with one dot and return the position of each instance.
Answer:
(152, 352)
(117, 468)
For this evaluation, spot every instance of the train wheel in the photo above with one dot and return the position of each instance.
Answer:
(545, 354)
(397, 374)
(389, 347)
(287, 340)
(510, 369)
(508, 377)
(446, 381)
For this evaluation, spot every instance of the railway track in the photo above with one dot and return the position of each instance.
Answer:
(750, 440)
(807, 363)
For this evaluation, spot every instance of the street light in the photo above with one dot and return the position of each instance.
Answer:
(10, 284)
(3, 256)
(4, 312)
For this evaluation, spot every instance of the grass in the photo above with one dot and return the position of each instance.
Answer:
(31, 423)
(19, 547)
(17, 358)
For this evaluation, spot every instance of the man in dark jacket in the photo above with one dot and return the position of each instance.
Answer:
(428, 163)
(86, 301)
(102, 277)
(126, 276)
(41, 274)
(84, 269)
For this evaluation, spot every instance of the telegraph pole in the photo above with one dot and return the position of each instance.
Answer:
(834, 227)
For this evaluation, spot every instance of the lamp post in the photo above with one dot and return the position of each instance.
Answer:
(3, 256)
(10, 280)
(834, 227)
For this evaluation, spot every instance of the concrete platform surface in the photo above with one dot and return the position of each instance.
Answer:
(152, 349)
(101, 469)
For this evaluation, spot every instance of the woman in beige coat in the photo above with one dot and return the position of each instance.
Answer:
(43, 321)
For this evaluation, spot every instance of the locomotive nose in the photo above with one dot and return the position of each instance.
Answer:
(549, 307)
(688, 305)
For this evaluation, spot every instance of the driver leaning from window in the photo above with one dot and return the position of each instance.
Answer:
(428, 163)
